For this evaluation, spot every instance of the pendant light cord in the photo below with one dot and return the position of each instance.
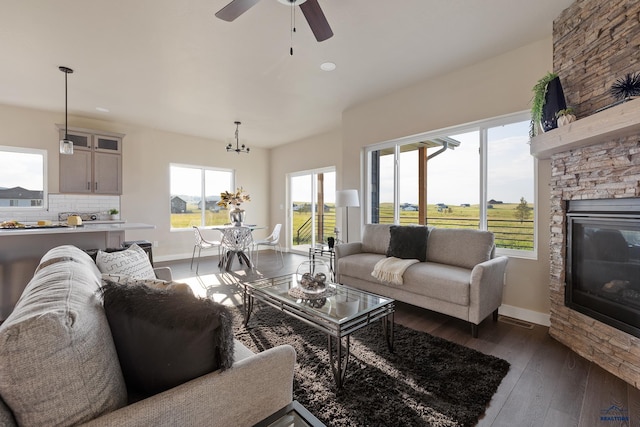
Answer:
(66, 114)
(66, 71)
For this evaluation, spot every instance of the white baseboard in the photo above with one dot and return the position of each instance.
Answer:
(172, 257)
(526, 315)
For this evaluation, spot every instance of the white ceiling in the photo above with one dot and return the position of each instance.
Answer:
(172, 65)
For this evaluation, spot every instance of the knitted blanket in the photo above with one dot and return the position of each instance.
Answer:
(391, 269)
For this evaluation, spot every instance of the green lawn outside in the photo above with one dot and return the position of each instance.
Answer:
(509, 232)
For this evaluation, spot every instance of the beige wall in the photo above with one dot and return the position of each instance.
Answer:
(147, 154)
(494, 87)
(312, 153)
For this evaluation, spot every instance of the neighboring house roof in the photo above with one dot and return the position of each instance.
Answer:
(19, 193)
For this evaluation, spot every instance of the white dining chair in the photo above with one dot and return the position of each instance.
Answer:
(202, 243)
(236, 241)
(273, 240)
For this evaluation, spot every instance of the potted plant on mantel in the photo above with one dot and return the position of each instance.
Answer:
(548, 99)
(565, 116)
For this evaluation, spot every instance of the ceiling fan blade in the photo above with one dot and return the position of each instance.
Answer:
(316, 19)
(234, 9)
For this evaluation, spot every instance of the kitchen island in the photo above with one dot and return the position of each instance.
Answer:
(22, 248)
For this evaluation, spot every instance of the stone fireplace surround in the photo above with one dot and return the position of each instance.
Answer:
(597, 157)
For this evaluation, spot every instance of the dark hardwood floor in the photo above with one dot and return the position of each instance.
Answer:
(547, 385)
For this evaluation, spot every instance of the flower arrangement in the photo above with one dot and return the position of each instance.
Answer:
(235, 199)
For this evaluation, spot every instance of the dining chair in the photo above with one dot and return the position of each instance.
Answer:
(202, 243)
(236, 241)
(273, 240)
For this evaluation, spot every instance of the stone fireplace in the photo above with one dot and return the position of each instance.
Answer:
(596, 158)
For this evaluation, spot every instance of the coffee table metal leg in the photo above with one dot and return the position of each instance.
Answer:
(339, 361)
(387, 329)
(247, 299)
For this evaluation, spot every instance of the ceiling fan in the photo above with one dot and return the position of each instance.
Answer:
(310, 9)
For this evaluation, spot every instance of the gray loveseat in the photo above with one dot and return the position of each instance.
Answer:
(461, 276)
(59, 366)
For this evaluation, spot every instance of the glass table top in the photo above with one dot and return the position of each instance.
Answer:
(339, 304)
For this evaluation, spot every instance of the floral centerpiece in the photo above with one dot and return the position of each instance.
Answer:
(236, 215)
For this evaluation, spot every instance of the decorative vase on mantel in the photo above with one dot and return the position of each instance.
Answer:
(554, 102)
(236, 216)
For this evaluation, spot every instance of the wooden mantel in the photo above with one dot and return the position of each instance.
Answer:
(615, 122)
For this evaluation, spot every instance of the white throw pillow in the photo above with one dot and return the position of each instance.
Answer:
(133, 262)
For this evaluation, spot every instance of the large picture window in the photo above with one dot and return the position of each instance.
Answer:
(23, 183)
(473, 176)
(195, 193)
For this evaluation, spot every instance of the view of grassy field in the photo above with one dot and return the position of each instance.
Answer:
(510, 232)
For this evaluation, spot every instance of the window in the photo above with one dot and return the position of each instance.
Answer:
(195, 193)
(473, 176)
(23, 183)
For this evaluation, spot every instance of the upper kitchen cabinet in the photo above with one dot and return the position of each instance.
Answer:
(95, 167)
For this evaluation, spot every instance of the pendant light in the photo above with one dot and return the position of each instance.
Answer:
(239, 148)
(66, 145)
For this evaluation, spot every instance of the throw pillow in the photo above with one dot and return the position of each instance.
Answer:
(408, 242)
(152, 283)
(133, 262)
(165, 338)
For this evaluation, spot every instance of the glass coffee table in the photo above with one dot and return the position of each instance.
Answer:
(338, 312)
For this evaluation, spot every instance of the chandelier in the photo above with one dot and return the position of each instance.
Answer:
(239, 148)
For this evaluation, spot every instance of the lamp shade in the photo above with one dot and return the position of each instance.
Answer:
(347, 199)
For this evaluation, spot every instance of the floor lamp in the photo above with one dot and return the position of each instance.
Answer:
(347, 199)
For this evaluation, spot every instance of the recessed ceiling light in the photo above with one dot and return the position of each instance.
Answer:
(327, 66)
(102, 109)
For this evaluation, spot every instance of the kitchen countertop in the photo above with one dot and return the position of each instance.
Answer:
(86, 227)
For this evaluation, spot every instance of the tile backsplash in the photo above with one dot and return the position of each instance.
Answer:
(65, 203)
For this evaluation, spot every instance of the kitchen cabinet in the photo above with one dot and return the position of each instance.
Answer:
(95, 167)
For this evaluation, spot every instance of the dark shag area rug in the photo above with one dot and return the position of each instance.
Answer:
(426, 381)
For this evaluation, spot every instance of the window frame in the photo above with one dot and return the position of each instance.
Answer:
(203, 190)
(45, 180)
(482, 126)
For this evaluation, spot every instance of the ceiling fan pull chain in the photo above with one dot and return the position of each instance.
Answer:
(293, 26)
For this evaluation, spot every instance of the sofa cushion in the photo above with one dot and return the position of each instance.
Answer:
(359, 265)
(439, 281)
(460, 247)
(375, 238)
(166, 338)
(408, 242)
(58, 364)
(132, 261)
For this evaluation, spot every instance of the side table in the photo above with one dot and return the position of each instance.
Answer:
(324, 251)
(292, 415)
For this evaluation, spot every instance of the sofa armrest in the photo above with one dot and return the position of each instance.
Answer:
(487, 283)
(252, 389)
(345, 249)
(163, 273)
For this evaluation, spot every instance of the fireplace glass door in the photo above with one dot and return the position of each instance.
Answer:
(603, 269)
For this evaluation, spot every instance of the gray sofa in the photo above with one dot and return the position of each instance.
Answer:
(461, 276)
(59, 366)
